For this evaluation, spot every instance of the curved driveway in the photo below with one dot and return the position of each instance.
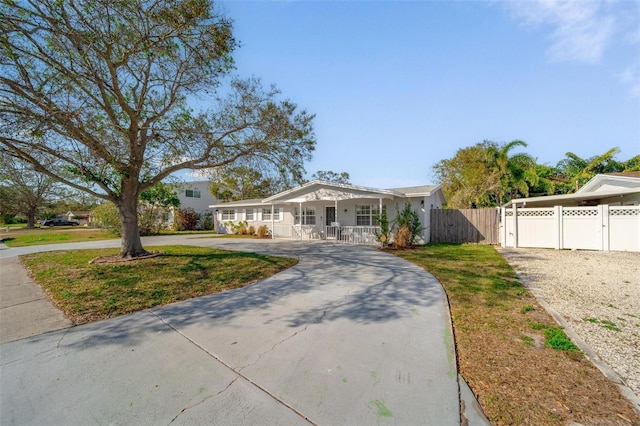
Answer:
(350, 335)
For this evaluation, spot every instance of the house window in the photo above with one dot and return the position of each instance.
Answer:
(228, 214)
(308, 216)
(248, 214)
(266, 214)
(367, 215)
(192, 193)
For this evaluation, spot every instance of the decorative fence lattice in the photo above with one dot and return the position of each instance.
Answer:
(602, 227)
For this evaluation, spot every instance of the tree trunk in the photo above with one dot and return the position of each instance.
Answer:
(31, 218)
(131, 245)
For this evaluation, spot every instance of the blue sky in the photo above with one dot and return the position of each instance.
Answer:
(399, 86)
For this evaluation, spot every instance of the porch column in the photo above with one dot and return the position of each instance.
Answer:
(273, 221)
(300, 216)
(335, 204)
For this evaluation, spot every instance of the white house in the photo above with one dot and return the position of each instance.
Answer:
(194, 195)
(602, 215)
(326, 210)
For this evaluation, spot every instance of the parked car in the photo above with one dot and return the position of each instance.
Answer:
(59, 222)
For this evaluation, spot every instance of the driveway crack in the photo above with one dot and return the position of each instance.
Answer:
(275, 345)
(235, 370)
(189, 407)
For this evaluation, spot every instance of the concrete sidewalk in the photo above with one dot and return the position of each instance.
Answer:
(350, 335)
(25, 310)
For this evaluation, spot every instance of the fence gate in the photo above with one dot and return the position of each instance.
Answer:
(601, 227)
(465, 226)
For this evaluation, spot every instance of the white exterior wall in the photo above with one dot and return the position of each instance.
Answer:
(198, 204)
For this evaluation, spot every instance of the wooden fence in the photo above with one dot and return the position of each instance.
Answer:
(479, 226)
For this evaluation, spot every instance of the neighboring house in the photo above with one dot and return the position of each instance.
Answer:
(326, 210)
(602, 215)
(194, 195)
(82, 217)
(615, 189)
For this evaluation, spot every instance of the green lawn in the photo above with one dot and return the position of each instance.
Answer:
(89, 292)
(22, 237)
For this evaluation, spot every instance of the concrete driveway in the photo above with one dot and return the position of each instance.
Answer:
(350, 335)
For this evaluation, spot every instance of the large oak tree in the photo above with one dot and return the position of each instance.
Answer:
(123, 93)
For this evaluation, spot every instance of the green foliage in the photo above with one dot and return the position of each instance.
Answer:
(106, 216)
(557, 339)
(114, 79)
(488, 174)
(409, 219)
(240, 228)
(154, 202)
(240, 183)
(207, 221)
(331, 176)
(526, 308)
(384, 234)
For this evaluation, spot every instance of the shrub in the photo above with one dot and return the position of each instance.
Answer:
(403, 237)
(207, 221)
(242, 228)
(385, 228)
(106, 216)
(263, 231)
(186, 219)
(251, 230)
(409, 218)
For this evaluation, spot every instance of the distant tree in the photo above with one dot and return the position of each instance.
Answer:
(153, 202)
(577, 171)
(240, 183)
(515, 172)
(23, 190)
(468, 179)
(330, 176)
(104, 89)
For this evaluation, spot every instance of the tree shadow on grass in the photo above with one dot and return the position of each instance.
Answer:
(331, 282)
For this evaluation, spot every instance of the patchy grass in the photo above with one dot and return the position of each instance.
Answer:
(39, 236)
(516, 380)
(21, 237)
(89, 292)
(609, 325)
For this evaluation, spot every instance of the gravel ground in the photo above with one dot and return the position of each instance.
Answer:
(598, 294)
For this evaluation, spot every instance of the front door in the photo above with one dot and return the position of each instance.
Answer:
(330, 215)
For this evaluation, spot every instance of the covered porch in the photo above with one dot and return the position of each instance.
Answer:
(344, 214)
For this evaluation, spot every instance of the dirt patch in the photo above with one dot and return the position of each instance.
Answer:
(598, 295)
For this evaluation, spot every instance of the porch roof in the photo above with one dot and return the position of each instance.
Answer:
(318, 190)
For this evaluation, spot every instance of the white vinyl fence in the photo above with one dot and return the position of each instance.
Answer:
(602, 227)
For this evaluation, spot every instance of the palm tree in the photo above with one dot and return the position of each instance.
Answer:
(578, 170)
(516, 172)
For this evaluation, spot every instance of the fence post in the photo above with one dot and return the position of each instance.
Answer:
(603, 212)
(515, 225)
(557, 226)
(503, 227)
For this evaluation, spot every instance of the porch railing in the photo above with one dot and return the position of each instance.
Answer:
(364, 235)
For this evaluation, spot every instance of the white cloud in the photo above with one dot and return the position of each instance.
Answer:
(631, 76)
(580, 30)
